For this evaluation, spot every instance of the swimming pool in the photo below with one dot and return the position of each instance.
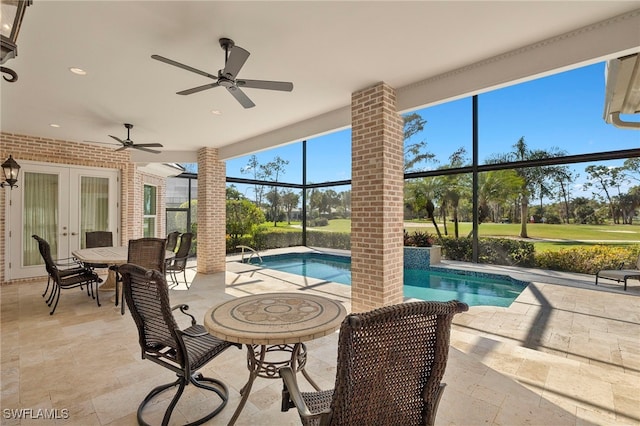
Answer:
(472, 288)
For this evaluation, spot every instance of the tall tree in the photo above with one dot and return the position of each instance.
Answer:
(272, 171)
(414, 152)
(254, 168)
(531, 176)
(290, 201)
(456, 186)
(603, 180)
(495, 189)
(563, 178)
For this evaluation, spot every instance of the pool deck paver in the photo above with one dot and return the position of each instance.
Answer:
(565, 353)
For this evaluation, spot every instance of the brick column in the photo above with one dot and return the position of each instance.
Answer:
(211, 212)
(377, 156)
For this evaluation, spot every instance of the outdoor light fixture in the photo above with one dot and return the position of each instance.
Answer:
(10, 169)
(11, 16)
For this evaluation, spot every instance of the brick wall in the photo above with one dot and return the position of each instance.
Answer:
(376, 199)
(45, 150)
(211, 212)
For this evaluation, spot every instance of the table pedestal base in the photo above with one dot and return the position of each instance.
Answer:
(110, 283)
(294, 356)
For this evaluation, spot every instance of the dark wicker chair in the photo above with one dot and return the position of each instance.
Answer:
(172, 240)
(66, 266)
(163, 342)
(63, 279)
(179, 263)
(390, 365)
(146, 252)
(98, 239)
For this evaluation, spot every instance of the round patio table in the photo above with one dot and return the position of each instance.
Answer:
(274, 324)
(114, 256)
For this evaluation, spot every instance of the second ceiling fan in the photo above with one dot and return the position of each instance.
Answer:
(234, 59)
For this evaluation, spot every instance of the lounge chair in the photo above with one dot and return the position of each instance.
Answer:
(620, 274)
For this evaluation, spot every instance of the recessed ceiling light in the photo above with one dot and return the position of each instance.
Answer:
(54, 125)
(78, 71)
(216, 112)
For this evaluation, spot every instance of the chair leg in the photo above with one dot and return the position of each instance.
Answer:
(122, 299)
(155, 391)
(97, 293)
(54, 290)
(197, 379)
(184, 274)
(47, 289)
(57, 298)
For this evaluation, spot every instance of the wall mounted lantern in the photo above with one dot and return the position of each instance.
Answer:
(11, 17)
(10, 169)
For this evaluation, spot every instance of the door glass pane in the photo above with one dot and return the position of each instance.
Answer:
(94, 205)
(149, 227)
(40, 215)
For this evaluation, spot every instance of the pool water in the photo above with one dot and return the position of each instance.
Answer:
(471, 288)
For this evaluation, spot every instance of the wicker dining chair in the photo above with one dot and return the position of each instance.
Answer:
(98, 239)
(172, 240)
(183, 351)
(65, 266)
(63, 279)
(146, 252)
(389, 370)
(179, 262)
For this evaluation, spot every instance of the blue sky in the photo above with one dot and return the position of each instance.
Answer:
(562, 111)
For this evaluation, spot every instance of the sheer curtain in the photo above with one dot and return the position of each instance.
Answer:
(94, 205)
(40, 215)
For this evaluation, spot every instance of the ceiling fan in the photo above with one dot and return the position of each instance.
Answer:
(234, 59)
(128, 143)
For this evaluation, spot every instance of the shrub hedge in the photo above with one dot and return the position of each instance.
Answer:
(498, 251)
(589, 259)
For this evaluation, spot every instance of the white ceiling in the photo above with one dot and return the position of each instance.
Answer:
(328, 49)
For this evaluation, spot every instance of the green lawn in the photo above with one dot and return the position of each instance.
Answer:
(572, 232)
(544, 236)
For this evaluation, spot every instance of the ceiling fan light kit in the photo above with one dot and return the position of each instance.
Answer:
(234, 59)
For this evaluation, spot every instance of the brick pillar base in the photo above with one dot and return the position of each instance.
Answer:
(211, 248)
(376, 199)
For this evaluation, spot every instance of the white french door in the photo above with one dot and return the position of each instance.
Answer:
(60, 204)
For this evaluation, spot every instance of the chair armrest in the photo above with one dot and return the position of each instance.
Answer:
(291, 392)
(183, 308)
(186, 333)
(71, 271)
(67, 261)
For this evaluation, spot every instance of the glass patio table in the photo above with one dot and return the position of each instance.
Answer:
(274, 324)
